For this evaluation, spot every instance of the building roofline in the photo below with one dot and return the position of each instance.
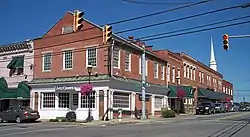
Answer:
(15, 48)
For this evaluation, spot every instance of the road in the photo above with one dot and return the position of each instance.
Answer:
(226, 125)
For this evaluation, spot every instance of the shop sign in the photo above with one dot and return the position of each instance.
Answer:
(64, 88)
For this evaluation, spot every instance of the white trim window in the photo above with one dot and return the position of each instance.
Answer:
(173, 74)
(191, 73)
(63, 100)
(162, 72)
(68, 59)
(168, 73)
(188, 74)
(158, 103)
(88, 100)
(179, 75)
(121, 100)
(156, 72)
(47, 61)
(91, 56)
(48, 100)
(194, 74)
(200, 76)
(185, 70)
(127, 61)
(116, 57)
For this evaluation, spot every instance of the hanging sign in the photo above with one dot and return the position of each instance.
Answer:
(64, 88)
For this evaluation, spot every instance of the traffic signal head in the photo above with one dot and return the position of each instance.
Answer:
(78, 20)
(225, 42)
(108, 34)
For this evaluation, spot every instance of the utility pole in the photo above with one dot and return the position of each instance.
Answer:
(143, 79)
(240, 36)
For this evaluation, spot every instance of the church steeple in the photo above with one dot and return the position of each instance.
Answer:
(212, 62)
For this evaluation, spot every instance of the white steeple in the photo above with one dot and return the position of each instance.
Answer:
(212, 62)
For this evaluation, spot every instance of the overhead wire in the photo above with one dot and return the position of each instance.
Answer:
(144, 16)
(156, 3)
(149, 39)
(147, 26)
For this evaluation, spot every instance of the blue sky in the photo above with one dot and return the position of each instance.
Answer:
(28, 19)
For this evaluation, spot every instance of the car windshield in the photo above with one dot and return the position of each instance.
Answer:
(218, 104)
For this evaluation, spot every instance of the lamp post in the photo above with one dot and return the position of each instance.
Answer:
(178, 98)
(89, 118)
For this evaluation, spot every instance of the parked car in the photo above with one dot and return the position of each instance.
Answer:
(19, 114)
(205, 107)
(219, 108)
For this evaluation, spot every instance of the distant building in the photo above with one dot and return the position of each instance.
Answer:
(16, 69)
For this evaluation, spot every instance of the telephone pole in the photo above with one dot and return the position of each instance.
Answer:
(143, 79)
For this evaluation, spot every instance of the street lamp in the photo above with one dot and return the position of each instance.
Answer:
(89, 118)
(178, 98)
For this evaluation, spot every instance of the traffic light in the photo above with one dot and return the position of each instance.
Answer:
(108, 34)
(78, 19)
(225, 42)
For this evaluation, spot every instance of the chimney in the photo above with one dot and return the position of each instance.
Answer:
(149, 48)
(131, 38)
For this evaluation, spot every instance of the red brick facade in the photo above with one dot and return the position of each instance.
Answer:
(227, 87)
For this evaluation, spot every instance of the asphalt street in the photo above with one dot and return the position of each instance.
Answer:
(219, 125)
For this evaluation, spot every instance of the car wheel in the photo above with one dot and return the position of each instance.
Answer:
(1, 120)
(18, 119)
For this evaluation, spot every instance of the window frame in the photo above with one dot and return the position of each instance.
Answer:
(162, 103)
(129, 100)
(87, 57)
(129, 61)
(119, 58)
(43, 61)
(72, 58)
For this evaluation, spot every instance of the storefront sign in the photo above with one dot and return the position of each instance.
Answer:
(147, 97)
(64, 88)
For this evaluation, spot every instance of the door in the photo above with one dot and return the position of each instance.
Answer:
(74, 103)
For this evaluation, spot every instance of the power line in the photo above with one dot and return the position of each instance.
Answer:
(200, 26)
(105, 46)
(145, 16)
(179, 19)
(156, 3)
(201, 30)
(152, 25)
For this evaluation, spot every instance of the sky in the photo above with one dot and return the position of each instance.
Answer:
(28, 19)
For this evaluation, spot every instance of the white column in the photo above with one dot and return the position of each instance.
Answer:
(165, 101)
(97, 104)
(39, 101)
(153, 105)
(79, 100)
(133, 103)
(105, 100)
(111, 102)
(56, 100)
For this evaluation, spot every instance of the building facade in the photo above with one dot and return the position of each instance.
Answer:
(16, 70)
(62, 57)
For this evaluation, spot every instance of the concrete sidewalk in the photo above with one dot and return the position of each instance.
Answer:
(153, 119)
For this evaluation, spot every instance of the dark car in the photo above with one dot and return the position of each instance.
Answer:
(19, 114)
(205, 107)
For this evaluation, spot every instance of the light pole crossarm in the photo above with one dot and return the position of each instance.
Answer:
(240, 36)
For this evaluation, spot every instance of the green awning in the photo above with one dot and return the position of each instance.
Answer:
(206, 93)
(188, 90)
(8, 94)
(3, 83)
(23, 91)
(16, 62)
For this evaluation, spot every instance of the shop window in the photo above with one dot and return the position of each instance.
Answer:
(85, 100)
(48, 100)
(121, 100)
(75, 99)
(63, 100)
(158, 102)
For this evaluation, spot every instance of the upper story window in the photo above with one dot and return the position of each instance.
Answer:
(185, 70)
(116, 56)
(47, 61)
(200, 76)
(127, 61)
(91, 56)
(67, 29)
(16, 65)
(207, 80)
(179, 75)
(68, 59)
(188, 74)
(162, 72)
(173, 74)
(168, 73)
(191, 73)
(194, 74)
(156, 72)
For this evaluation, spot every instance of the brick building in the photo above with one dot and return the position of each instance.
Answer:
(62, 57)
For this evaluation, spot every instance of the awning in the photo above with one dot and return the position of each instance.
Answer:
(187, 91)
(23, 91)
(8, 94)
(16, 62)
(206, 93)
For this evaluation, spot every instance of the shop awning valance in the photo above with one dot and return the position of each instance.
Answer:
(188, 91)
(206, 93)
(16, 62)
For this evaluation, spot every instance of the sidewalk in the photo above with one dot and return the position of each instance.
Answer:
(152, 119)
